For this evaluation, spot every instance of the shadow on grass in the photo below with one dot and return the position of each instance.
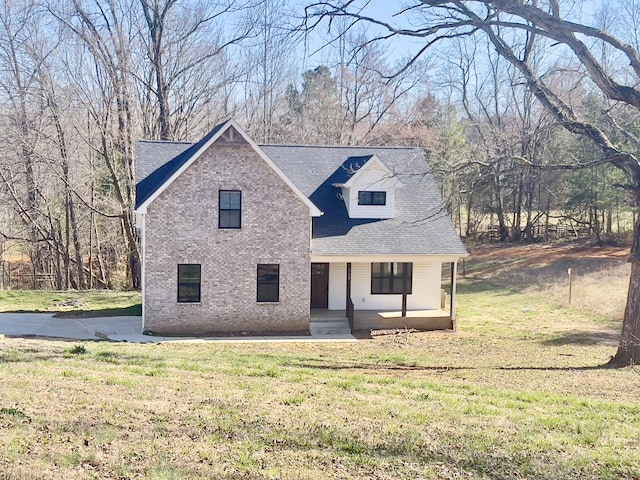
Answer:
(582, 338)
(437, 369)
(132, 311)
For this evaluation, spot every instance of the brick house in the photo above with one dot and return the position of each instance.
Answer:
(240, 237)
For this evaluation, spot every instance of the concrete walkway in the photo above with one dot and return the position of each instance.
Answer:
(121, 329)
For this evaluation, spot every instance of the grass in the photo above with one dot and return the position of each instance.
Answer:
(517, 392)
(72, 303)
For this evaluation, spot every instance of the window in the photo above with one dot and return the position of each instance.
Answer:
(229, 208)
(372, 198)
(388, 278)
(188, 283)
(268, 282)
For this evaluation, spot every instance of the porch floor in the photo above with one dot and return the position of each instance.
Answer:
(436, 319)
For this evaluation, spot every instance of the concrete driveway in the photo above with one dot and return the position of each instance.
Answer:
(118, 329)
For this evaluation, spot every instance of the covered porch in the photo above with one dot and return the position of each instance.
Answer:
(351, 291)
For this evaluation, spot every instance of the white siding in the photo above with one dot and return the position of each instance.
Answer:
(369, 211)
(371, 178)
(425, 296)
(337, 286)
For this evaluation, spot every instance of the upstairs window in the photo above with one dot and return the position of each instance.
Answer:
(268, 282)
(229, 208)
(189, 283)
(388, 278)
(372, 198)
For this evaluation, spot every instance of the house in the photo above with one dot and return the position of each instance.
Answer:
(240, 237)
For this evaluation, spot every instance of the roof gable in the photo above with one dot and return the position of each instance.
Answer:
(154, 184)
(372, 166)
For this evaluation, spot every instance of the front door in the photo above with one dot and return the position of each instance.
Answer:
(319, 285)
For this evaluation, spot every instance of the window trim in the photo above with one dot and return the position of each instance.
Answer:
(183, 298)
(367, 197)
(261, 282)
(220, 210)
(394, 281)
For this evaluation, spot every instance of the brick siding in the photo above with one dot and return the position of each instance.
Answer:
(182, 227)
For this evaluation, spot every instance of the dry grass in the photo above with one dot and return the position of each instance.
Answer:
(517, 392)
(600, 276)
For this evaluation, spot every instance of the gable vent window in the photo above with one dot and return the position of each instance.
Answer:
(372, 198)
(389, 278)
(189, 283)
(268, 282)
(229, 208)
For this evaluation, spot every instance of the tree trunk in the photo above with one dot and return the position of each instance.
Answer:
(504, 232)
(629, 348)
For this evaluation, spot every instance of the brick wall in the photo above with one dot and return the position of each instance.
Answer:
(182, 227)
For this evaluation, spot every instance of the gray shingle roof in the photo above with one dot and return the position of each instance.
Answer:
(148, 184)
(421, 224)
(152, 154)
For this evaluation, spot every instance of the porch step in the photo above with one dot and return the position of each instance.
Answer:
(329, 327)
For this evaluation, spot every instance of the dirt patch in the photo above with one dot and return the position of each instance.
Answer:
(551, 261)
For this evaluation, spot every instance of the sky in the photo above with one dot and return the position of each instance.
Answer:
(398, 46)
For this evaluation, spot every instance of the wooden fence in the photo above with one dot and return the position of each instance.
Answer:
(539, 231)
(14, 276)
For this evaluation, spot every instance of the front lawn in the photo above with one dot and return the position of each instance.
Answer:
(516, 392)
(520, 397)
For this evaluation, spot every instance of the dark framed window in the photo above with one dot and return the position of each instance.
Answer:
(229, 208)
(268, 282)
(372, 198)
(189, 282)
(388, 278)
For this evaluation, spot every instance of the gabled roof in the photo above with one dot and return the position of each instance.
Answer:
(421, 225)
(152, 154)
(356, 166)
(149, 188)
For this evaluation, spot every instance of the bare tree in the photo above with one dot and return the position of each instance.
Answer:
(507, 25)
(182, 43)
(105, 31)
(265, 74)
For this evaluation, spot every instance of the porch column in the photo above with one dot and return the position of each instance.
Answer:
(348, 283)
(405, 284)
(454, 274)
(349, 309)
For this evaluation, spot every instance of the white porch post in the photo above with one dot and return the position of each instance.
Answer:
(454, 274)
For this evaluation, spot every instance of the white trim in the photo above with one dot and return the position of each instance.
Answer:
(314, 211)
(416, 258)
